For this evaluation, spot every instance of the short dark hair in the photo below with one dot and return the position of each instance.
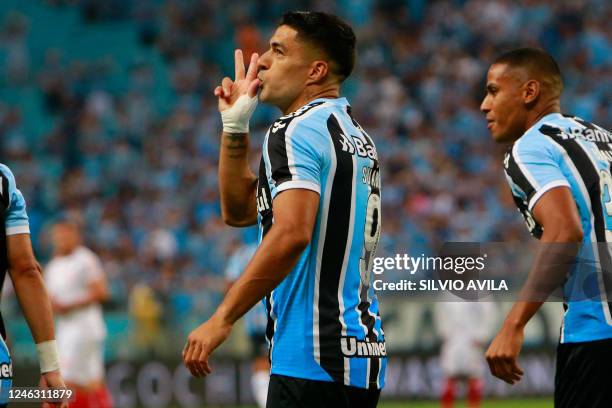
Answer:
(329, 33)
(537, 61)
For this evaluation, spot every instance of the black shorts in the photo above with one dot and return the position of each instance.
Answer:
(584, 376)
(290, 392)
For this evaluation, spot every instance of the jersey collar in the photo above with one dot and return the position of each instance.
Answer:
(336, 101)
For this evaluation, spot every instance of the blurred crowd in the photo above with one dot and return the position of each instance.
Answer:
(142, 174)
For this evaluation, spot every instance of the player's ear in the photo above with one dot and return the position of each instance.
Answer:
(318, 71)
(531, 91)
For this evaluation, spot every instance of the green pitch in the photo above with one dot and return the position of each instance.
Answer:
(509, 403)
(512, 403)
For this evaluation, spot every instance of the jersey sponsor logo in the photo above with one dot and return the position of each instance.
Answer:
(356, 145)
(6, 371)
(277, 126)
(601, 137)
(262, 201)
(351, 347)
(591, 134)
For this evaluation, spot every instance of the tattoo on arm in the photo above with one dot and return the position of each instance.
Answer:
(237, 145)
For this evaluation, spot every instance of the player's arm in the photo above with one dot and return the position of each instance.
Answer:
(98, 293)
(29, 287)
(237, 183)
(295, 213)
(562, 234)
(97, 287)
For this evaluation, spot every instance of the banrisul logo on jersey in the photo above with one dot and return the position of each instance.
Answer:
(357, 145)
(351, 347)
(6, 371)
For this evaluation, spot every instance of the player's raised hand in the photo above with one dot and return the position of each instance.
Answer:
(243, 84)
(502, 355)
(201, 342)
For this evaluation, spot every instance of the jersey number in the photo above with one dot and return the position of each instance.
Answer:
(371, 237)
(605, 185)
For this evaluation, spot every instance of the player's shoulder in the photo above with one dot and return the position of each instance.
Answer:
(305, 128)
(541, 138)
(52, 263)
(302, 118)
(310, 118)
(557, 128)
(7, 184)
(86, 254)
(6, 172)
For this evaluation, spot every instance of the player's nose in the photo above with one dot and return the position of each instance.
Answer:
(485, 105)
(264, 61)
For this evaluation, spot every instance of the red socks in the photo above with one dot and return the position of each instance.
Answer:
(448, 394)
(99, 398)
(474, 396)
(474, 392)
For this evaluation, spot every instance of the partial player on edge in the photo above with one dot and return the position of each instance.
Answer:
(18, 259)
(558, 168)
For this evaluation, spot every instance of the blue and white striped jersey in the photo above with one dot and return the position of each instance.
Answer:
(13, 204)
(566, 151)
(13, 207)
(324, 321)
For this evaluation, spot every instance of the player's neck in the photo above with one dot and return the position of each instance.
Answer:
(309, 95)
(539, 112)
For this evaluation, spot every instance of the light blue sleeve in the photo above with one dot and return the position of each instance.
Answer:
(16, 217)
(296, 158)
(534, 165)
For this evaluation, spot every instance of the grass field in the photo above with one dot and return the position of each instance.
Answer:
(517, 403)
(509, 403)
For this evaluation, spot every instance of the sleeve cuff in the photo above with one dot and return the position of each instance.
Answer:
(557, 183)
(303, 184)
(18, 229)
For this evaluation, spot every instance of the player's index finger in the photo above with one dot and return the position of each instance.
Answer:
(239, 64)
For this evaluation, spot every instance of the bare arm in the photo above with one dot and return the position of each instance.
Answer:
(295, 213)
(237, 183)
(556, 212)
(29, 287)
(294, 218)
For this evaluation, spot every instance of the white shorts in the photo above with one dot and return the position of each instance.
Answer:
(81, 357)
(461, 359)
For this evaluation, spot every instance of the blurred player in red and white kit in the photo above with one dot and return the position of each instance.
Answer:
(465, 328)
(77, 286)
